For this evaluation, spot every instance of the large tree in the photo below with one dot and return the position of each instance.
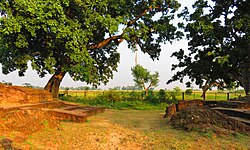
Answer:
(219, 49)
(144, 79)
(80, 37)
(202, 70)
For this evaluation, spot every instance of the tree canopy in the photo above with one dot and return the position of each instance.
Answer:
(80, 37)
(219, 49)
(144, 79)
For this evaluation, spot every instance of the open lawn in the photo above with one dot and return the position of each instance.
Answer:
(129, 129)
(210, 95)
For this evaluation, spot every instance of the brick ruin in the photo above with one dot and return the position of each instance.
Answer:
(233, 115)
(26, 108)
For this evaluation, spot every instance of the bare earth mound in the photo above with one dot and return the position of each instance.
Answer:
(204, 118)
(20, 95)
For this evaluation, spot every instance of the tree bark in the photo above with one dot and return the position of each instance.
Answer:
(246, 74)
(246, 88)
(147, 88)
(146, 91)
(54, 83)
(245, 71)
(204, 93)
(245, 79)
(205, 88)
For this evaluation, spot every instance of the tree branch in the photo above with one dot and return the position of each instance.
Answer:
(149, 85)
(119, 38)
(106, 42)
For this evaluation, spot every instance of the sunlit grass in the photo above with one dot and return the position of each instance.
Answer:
(210, 95)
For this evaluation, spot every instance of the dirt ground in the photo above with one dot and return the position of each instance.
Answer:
(124, 130)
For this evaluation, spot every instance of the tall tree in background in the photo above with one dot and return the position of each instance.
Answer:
(80, 37)
(144, 79)
(219, 44)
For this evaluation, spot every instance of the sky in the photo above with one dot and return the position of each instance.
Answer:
(123, 76)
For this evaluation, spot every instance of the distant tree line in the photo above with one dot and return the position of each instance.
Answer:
(80, 88)
(129, 87)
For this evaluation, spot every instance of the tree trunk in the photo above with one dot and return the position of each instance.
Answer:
(204, 93)
(245, 66)
(247, 89)
(246, 82)
(54, 83)
(146, 90)
(204, 89)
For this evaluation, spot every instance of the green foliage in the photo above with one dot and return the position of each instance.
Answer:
(121, 104)
(188, 91)
(162, 95)
(110, 96)
(176, 92)
(81, 37)
(131, 88)
(115, 88)
(116, 100)
(135, 96)
(79, 88)
(142, 77)
(218, 34)
(28, 85)
(171, 96)
(152, 98)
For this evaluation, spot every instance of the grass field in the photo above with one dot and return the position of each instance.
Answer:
(210, 95)
(130, 130)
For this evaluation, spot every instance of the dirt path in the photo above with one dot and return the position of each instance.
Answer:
(127, 130)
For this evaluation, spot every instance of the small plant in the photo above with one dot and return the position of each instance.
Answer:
(2, 137)
(111, 96)
(135, 96)
(189, 92)
(177, 91)
(171, 97)
(152, 99)
(45, 123)
(162, 95)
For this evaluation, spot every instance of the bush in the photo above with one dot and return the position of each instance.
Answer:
(162, 95)
(176, 91)
(110, 96)
(114, 100)
(171, 97)
(189, 92)
(152, 99)
(135, 96)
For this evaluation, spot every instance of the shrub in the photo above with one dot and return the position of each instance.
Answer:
(116, 100)
(176, 91)
(162, 95)
(110, 96)
(171, 96)
(189, 92)
(135, 96)
(152, 99)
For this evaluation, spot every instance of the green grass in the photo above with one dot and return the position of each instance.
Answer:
(210, 95)
(2, 137)
(135, 100)
(137, 105)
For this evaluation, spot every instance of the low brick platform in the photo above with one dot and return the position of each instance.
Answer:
(60, 110)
